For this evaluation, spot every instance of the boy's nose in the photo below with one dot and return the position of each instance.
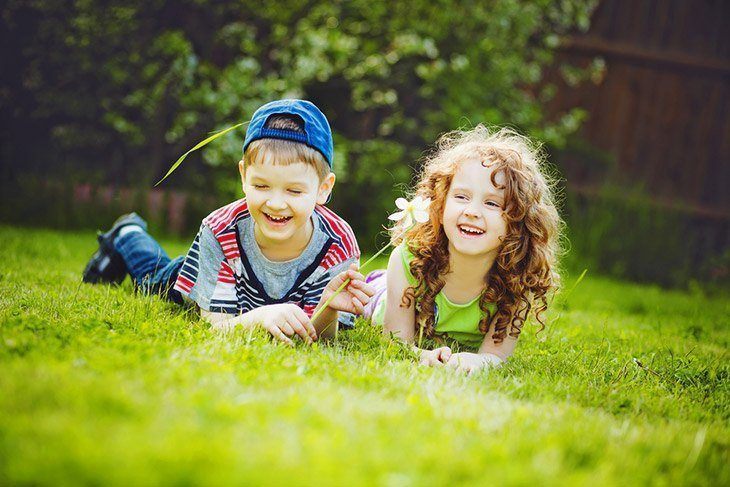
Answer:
(276, 203)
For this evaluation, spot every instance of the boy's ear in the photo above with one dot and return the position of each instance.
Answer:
(325, 188)
(242, 170)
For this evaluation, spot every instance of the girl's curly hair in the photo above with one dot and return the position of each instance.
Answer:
(525, 271)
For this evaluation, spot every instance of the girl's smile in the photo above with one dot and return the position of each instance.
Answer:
(472, 218)
(469, 231)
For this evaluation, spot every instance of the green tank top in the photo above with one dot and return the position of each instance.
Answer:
(459, 322)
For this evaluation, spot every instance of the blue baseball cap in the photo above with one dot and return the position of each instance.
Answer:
(317, 133)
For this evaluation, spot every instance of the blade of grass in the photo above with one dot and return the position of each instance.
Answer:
(196, 147)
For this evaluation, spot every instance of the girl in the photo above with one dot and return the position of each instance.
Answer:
(484, 260)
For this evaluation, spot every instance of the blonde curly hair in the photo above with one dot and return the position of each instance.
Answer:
(525, 272)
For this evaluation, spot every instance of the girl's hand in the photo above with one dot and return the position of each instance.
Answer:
(354, 297)
(437, 357)
(472, 362)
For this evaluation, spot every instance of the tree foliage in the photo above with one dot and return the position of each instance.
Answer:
(114, 91)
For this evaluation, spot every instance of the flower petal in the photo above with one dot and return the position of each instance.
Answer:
(423, 204)
(408, 222)
(401, 203)
(398, 215)
(420, 216)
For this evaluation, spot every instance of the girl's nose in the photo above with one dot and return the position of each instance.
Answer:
(470, 210)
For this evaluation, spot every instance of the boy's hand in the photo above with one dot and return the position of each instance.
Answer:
(284, 320)
(472, 362)
(437, 357)
(354, 297)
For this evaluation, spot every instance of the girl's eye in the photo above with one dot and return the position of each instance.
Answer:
(295, 191)
(493, 204)
(260, 186)
(461, 197)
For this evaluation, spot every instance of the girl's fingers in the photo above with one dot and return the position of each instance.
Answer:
(435, 362)
(444, 354)
(453, 362)
(431, 359)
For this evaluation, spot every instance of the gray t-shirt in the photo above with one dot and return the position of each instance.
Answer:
(277, 278)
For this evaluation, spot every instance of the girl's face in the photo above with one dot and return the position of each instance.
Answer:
(472, 219)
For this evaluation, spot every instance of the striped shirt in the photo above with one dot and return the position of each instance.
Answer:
(234, 287)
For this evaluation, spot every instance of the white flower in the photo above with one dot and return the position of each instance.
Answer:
(417, 210)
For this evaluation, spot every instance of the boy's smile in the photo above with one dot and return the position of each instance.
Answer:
(281, 200)
(277, 220)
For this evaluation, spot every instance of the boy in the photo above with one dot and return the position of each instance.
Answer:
(269, 259)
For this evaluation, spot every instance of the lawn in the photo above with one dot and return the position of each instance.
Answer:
(629, 384)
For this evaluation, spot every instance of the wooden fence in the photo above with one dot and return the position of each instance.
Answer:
(662, 109)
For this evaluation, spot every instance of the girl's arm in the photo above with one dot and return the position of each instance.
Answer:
(401, 320)
(502, 350)
(490, 354)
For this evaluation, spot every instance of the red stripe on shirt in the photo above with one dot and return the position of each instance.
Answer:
(183, 284)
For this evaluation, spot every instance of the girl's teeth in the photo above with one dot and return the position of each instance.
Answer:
(473, 231)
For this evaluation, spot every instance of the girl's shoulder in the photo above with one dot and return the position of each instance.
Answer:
(404, 251)
(404, 255)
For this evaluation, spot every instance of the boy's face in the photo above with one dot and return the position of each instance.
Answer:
(281, 199)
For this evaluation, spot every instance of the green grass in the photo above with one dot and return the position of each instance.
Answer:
(627, 385)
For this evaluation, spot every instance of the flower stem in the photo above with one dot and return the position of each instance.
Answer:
(347, 281)
(342, 286)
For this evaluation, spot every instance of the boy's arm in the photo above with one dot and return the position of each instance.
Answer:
(198, 275)
(346, 320)
(282, 321)
(225, 322)
(327, 323)
(352, 299)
